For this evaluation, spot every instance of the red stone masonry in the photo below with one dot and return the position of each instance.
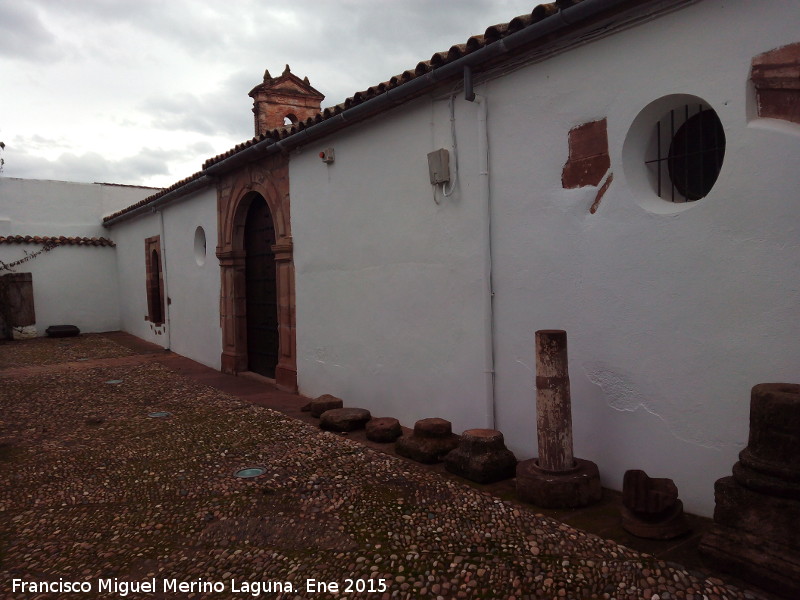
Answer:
(776, 77)
(236, 190)
(588, 155)
(278, 98)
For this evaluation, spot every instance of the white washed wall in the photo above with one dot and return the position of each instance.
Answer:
(193, 329)
(74, 285)
(672, 315)
(194, 288)
(388, 283)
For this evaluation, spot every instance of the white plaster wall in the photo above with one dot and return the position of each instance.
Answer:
(43, 207)
(74, 285)
(672, 318)
(129, 236)
(193, 329)
(194, 288)
(389, 284)
(672, 315)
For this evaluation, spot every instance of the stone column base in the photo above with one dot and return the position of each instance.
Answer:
(774, 567)
(666, 527)
(569, 489)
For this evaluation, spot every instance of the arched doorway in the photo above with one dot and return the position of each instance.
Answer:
(261, 299)
(265, 181)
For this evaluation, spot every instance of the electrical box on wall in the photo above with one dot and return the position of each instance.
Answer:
(439, 166)
(327, 156)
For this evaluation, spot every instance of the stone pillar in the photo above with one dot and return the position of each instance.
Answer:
(556, 479)
(286, 369)
(553, 404)
(756, 531)
(232, 313)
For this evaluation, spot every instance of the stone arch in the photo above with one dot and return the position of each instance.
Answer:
(235, 192)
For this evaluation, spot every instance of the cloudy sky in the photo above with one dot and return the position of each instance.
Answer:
(142, 92)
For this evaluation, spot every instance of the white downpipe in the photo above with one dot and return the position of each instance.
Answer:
(163, 238)
(483, 187)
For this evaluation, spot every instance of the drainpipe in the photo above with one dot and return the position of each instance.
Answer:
(168, 338)
(486, 201)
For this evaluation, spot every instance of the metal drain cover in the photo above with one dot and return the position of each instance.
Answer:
(114, 381)
(159, 415)
(249, 472)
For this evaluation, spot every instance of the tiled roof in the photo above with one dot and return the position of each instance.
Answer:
(59, 241)
(495, 34)
(155, 196)
(492, 34)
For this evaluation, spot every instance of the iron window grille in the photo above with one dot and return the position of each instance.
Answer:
(689, 148)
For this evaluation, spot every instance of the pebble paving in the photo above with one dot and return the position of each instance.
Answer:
(93, 489)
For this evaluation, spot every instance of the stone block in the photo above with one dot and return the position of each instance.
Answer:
(756, 531)
(577, 487)
(650, 507)
(344, 419)
(58, 331)
(384, 430)
(431, 441)
(481, 456)
(323, 403)
(772, 518)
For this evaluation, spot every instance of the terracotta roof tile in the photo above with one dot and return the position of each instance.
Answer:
(155, 196)
(58, 241)
(492, 34)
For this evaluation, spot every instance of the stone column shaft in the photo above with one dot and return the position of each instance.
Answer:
(553, 404)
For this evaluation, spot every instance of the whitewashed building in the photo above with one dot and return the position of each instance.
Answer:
(626, 171)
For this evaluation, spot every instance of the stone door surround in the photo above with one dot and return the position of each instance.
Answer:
(235, 191)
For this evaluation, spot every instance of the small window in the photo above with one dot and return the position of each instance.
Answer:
(200, 246)
(687, 153)
(290, 119)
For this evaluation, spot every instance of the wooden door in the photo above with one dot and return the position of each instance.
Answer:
(261, 290)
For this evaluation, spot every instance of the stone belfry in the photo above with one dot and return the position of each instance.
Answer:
(280, 98)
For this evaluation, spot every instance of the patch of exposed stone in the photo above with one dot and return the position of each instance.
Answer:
(95, 488)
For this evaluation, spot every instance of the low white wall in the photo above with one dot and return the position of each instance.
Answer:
(72, 285)
(75, 285)
(56, 208)
(193, 289)
(672, 315)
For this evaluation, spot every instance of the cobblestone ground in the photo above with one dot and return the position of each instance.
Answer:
(94, 490)
(51, 351)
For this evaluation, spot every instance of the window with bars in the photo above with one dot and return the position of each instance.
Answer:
(687, 153)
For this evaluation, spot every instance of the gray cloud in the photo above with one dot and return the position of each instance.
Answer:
(149, 74)
(23, 35)
(92, 166)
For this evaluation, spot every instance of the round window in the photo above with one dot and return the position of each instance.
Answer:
(200, 246)
(695, 155)
(673, 152)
